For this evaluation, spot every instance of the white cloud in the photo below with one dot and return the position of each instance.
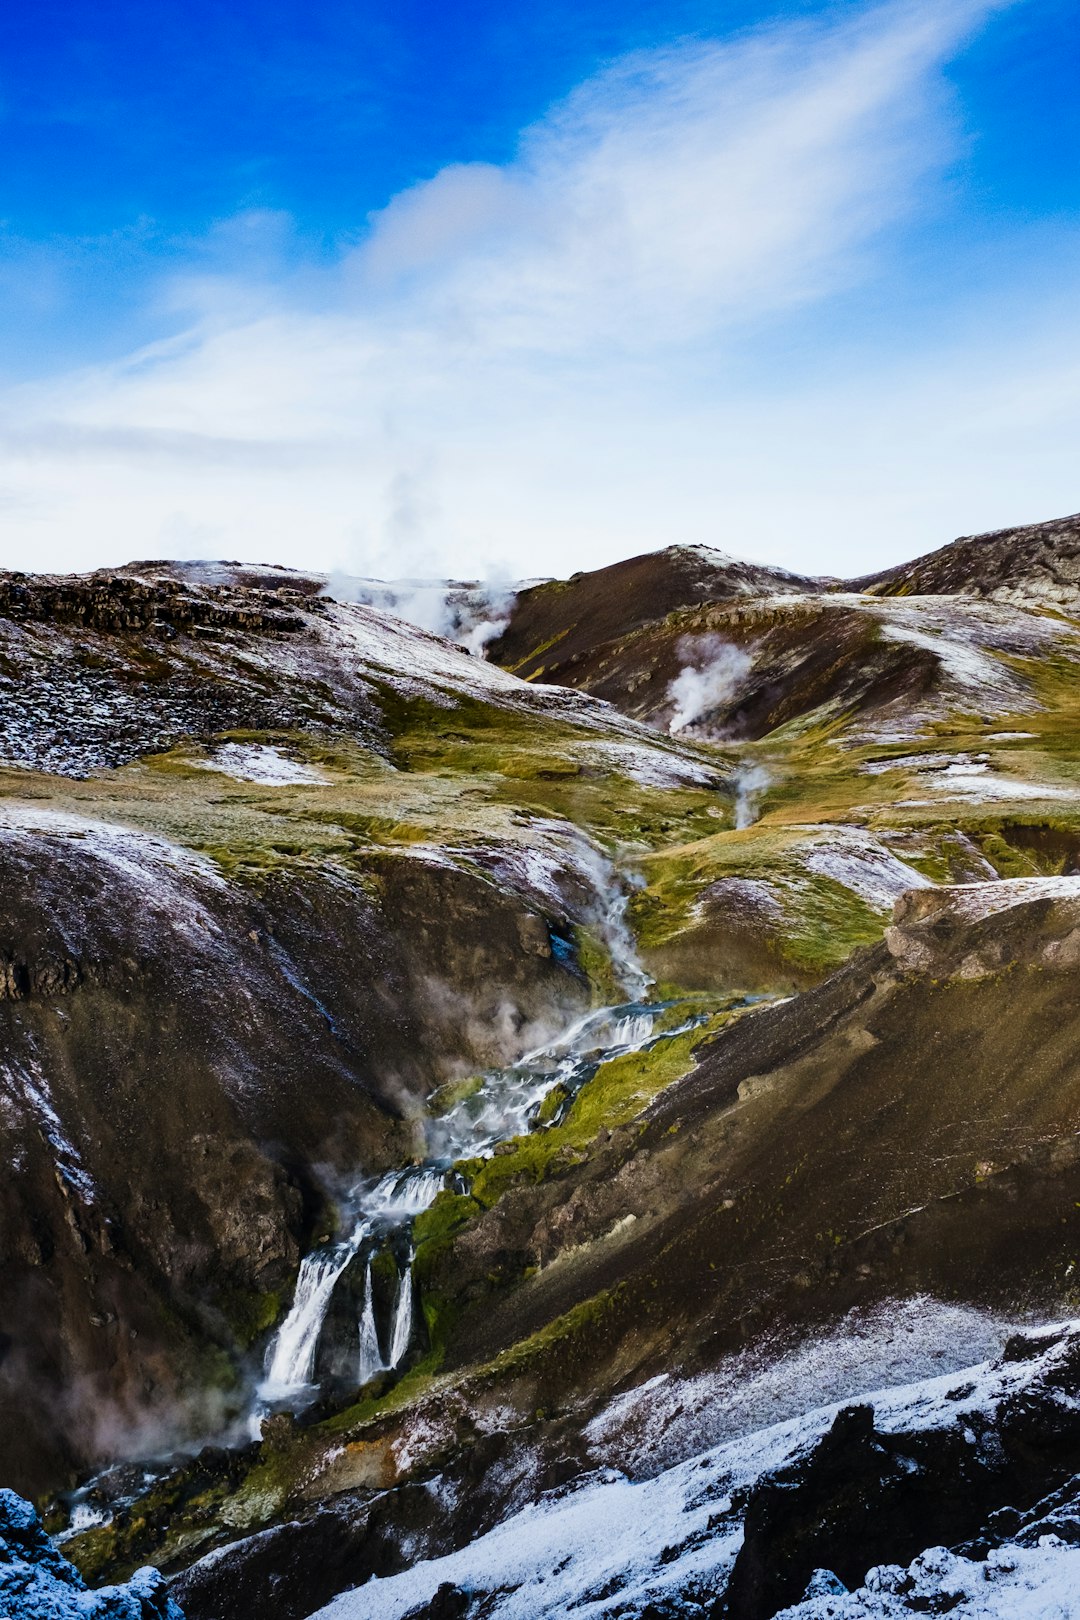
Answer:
(536, 364)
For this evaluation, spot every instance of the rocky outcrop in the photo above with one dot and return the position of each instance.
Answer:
(36, 1583)
(861, 1498)
(122, 603)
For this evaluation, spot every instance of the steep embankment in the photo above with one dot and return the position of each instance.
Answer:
(908, 1128)
(977, 1459)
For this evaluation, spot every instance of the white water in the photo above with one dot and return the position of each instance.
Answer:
(401, 1337)
(504, 1106)
(371, 1361)
(291, 1361)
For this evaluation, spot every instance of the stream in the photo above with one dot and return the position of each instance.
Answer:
(504, 1104)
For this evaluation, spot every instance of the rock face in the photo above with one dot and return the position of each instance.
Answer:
(36, 1583)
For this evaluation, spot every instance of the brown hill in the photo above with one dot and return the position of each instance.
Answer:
(1038, 563)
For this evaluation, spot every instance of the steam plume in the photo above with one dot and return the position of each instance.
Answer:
(711, 672)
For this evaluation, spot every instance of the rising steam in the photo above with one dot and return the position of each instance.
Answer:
(749, 782)
(471, 613)
(711, 671)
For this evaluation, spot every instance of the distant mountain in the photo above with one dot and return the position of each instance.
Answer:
(564, 630)
(647, 633)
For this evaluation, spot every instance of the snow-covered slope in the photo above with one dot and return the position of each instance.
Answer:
(669, 1545)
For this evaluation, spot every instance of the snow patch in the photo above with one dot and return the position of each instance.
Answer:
(973, 901)
(614, 1544)
(856, 860)
(1012, 1583)
(966, 776)
(257, 762)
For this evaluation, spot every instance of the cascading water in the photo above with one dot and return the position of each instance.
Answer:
(401, 1334)
(291, 1360)
(504, 1106)
(371, 1361)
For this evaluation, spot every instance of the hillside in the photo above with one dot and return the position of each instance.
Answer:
(1039, 563)
(434, 1091)
(735, 651)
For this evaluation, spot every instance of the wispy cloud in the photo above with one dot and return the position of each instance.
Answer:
(536, 364)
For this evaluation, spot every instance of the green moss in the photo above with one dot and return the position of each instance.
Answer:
(827, 923)
(453, 1092)
(619, 1091)
(249, 1313)
(594, 960)
(575, 1324)
(538, 651)
(417, 1382)
(552, 1104)
(434, 1231)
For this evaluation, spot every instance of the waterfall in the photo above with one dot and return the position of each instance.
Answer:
(290, 1360)
(504, 1106)
(401, 1337)
(371, 1361)
(634, 1031)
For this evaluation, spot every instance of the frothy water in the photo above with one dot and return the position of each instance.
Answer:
(292, 1359)
(504, 1104)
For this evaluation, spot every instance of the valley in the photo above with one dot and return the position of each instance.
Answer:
(487, 1126)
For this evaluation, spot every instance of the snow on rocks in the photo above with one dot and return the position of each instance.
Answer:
(856, 859)
(930, 931)
(965, 776)
(970, 902)
(36, 1583)
(1011, 1583)
(28, 1089)
(256, 762)
(612, 1545)
(652, 765)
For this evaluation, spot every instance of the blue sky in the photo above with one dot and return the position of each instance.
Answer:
(478, 288)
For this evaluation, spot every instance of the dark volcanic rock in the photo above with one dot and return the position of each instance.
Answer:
(36, 1583)
(862, 1498)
